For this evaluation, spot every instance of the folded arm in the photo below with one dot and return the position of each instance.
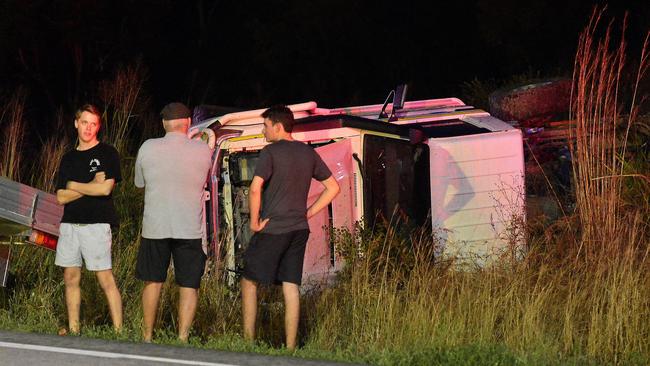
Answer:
(93, 188)
(64, 196)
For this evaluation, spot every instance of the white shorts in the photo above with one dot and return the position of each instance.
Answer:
(90, 241)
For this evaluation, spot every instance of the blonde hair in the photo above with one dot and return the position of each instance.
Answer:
(90, 108)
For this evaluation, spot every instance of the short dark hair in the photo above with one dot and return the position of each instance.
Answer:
(90, 108)
(280, 114)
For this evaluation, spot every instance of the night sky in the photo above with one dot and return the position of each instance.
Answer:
(251, 54)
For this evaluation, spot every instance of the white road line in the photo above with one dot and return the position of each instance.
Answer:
(82, 352)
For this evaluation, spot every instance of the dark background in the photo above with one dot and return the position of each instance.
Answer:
(252, 54)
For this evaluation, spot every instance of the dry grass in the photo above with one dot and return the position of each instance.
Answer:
(11, 119)
(47, 162)
(123, 99)
(600, 151)
(544, 303)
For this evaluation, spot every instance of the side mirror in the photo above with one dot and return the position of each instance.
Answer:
(398, 101)
(399, 97)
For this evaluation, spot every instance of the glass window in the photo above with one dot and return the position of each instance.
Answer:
(396, 180)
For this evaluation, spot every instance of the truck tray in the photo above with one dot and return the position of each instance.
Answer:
(27, 215)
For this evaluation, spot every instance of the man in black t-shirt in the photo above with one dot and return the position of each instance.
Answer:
(85, 180)
(279, 188)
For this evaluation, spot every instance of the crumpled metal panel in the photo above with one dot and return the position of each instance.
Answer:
(318, 254)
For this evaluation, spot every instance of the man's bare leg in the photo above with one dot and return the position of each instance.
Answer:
(113, 297)
(249, 307)
(291, 293)
(150, 298)
(72, 279)
(186, 311)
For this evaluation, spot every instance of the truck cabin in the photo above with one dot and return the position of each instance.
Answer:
(468, 163)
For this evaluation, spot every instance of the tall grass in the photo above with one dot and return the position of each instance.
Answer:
(11, 119)
(599, 151)
(123, 99)
(408, 303)
(46, 164)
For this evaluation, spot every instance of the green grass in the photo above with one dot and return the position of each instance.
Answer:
(390, 307)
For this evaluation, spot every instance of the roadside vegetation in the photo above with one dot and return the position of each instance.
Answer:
(580, 294)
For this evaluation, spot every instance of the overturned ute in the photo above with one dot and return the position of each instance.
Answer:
(437, 160)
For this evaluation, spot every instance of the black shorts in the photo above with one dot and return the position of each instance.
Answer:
(276, 258)
(154, 255)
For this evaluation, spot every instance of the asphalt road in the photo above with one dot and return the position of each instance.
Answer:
(40, 349)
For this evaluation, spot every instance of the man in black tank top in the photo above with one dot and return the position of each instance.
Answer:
(278, 218)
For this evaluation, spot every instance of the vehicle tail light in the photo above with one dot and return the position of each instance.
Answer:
(43, 239)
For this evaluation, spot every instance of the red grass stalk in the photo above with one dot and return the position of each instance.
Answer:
(598, 153)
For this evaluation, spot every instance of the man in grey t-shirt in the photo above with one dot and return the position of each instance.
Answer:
(279, 188)
(173, 171)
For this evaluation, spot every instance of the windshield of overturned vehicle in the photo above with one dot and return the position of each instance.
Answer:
(396, 185)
